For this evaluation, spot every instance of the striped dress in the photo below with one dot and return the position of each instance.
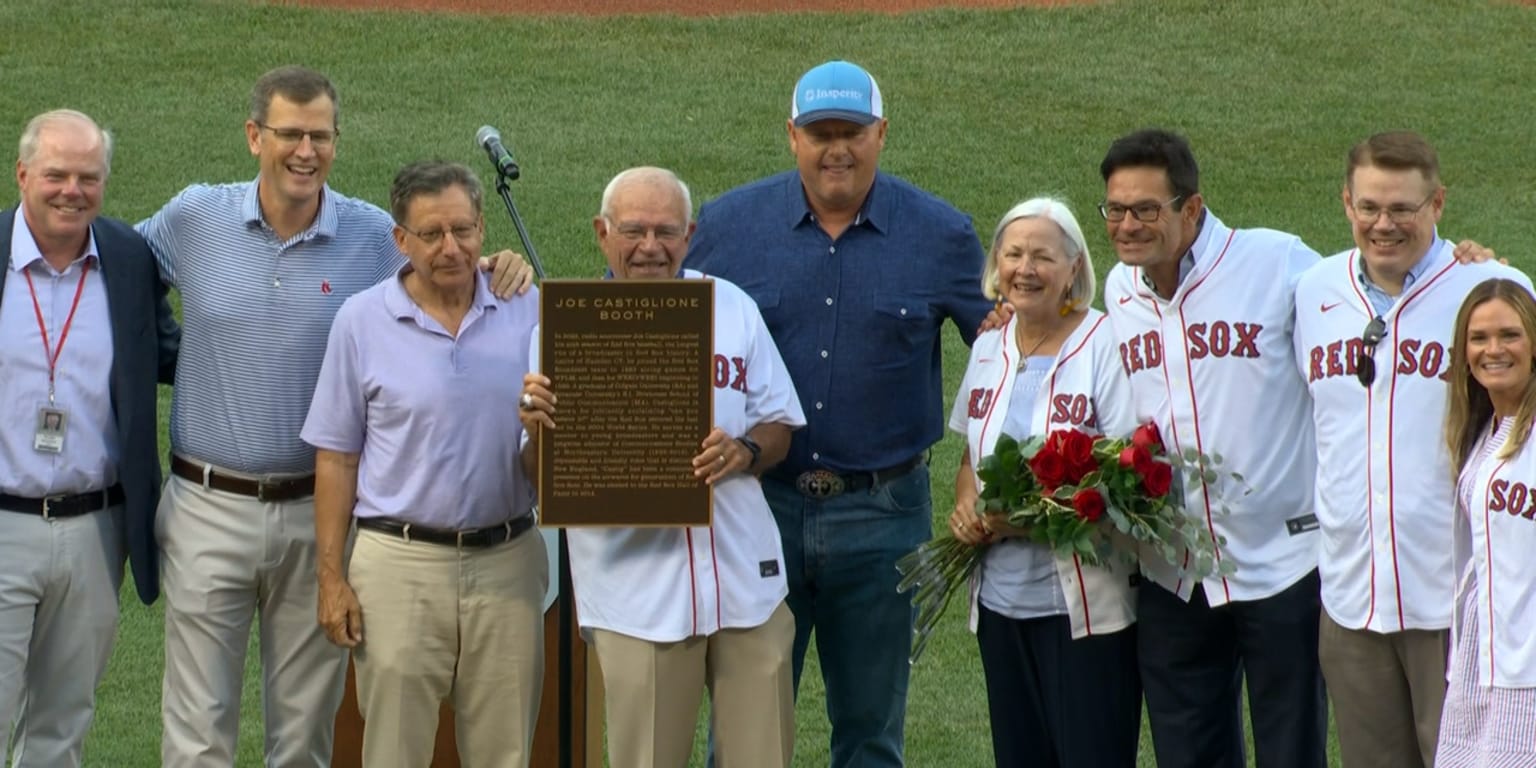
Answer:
(1482, 725)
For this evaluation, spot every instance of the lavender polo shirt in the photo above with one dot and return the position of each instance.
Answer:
(433, 416)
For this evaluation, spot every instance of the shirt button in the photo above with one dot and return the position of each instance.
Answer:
(816, 455)
(818, 405)
(903, 311)
(277, 282)
(829, 301)
(823, 353)
(832, 249)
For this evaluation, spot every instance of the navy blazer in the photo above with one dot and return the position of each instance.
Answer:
(145, 340)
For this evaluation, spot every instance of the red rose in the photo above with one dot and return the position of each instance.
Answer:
(1157, 480)
(1049, 468)
(1077, 451)
(1089, 504)
(1146, 436)
(1137, 458)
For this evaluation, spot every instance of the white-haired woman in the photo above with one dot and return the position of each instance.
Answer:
(1057, 637)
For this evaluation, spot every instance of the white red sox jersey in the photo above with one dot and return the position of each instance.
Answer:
(1494, 538)
(1214, 368)
(667, 584)
(1382, 495)
(1085, 389)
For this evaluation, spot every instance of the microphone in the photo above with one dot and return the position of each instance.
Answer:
(489, 139)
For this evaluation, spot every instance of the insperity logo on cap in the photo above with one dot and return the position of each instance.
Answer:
(836, 90)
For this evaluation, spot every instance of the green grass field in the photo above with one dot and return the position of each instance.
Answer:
(986, 108)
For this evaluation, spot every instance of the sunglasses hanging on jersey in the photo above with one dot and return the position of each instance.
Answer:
(1365, 366)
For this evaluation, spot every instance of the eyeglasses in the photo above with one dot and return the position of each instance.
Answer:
(1401, 213)
(462, 233)
(1144, 212)
(296, 135)
(1365, 366)
(635, 233)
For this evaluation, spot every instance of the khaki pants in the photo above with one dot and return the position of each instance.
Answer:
(58, 617)
(225, 559)
(654, 691)
(442, 623)
(1387, 693)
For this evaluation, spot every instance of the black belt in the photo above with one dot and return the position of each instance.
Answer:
(63, 504)
(477, 538)
(824, 483)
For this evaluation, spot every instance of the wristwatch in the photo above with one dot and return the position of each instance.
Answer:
(752, 446)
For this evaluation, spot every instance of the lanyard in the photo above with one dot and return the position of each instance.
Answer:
(53, 353)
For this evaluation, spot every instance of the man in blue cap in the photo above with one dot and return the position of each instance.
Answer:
(854, 271)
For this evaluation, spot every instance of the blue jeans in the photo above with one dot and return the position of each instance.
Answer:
(840, 558)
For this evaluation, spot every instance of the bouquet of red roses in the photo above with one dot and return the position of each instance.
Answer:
(1086, 497)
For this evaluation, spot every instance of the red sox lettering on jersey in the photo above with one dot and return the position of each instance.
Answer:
(1382, 494)
(1213, 366)
(1217, 339)
(730, 372)
(1513, 497)
(1066, 411)
(1427, 358)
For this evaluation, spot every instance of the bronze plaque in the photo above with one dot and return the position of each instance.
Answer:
(629, 362)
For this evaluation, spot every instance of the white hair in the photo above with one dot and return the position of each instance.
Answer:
(651, 175)
(1084, 283)
(31, 136)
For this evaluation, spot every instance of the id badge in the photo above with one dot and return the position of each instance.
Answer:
(49, 437)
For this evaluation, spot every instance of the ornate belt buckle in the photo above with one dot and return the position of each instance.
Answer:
(820, 484)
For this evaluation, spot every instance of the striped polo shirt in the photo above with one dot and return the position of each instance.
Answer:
(256, 312)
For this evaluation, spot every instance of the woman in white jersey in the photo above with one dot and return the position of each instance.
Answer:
(1057, 637)
(1490, 703)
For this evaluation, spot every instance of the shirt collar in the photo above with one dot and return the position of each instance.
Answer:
(875, 212)
(24, 250)
(1414, 272)
(401, 306)
(325, 223)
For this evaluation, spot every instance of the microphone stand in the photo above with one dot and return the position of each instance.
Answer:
(565, 609)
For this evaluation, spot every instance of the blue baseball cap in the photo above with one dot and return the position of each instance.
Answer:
(836, 90)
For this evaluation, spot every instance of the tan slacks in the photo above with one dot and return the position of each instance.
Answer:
(654, 690)
(1387, 692)
(442, 623)
(58, 616)
(224, 560)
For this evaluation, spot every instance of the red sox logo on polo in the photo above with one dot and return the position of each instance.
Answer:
(1219, 339)
(730, 372)
(1514, 498)
(1414, 356)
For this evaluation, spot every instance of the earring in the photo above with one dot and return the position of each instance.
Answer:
(1067, 307)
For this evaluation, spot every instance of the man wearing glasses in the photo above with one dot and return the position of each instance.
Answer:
(1384, 496)
(1203, 313)
(447, 578)
(261, 267)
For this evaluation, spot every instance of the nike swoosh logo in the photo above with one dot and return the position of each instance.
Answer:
(1327, 307)
(1125, 299)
